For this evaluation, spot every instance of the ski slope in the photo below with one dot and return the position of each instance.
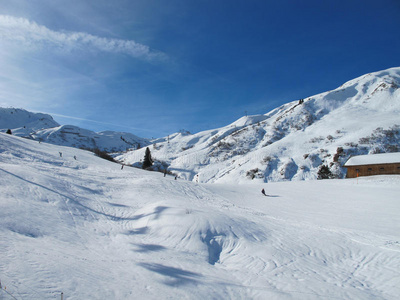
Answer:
(88, 229)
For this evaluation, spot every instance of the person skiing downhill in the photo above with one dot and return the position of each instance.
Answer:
(263, 192)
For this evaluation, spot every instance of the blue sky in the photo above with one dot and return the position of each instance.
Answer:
(153, 67)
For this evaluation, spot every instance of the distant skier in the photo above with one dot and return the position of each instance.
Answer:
(75, 157)
(263, 192)
(60, 154)
(176, 176)
(165, 172)
(122, 167)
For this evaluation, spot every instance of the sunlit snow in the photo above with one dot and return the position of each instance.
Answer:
(88, 229)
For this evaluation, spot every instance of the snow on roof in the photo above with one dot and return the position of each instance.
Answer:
(373, 159)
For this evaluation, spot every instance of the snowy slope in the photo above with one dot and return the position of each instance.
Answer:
(294, 140)
(73, 136)
(23, 122)
(42, 127)
(88, 229)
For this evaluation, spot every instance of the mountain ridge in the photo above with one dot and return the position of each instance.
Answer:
(294, 140)
(291, 142)
(43, 128)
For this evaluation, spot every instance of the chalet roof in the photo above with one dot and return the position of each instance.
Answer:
(373, 159)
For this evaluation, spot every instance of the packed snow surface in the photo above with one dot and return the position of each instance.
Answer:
(89, 229)
(373, 159)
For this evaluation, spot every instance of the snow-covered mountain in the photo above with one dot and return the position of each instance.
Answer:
(42, 127)
(292, 141)
(88, 229)
(22, 122)
(73, 136)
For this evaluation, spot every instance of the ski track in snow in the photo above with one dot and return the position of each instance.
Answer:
(93, 231)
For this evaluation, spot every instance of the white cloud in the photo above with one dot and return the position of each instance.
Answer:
(85, 120)
(33, 35)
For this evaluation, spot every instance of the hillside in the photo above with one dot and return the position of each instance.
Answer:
(88, 229)
(292, 141)
(73, 136)
(42, 127)
(22, 122)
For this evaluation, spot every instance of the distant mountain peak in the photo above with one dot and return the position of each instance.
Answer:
(23, 122)
(42, 127)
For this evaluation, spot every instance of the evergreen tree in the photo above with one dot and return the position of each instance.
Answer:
(9, 131)
(324, 172)
(148, 161)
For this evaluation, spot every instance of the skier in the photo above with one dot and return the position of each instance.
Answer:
(122, 167)
(165, 172)
(263, 192)
(60, 154)
(75, 157)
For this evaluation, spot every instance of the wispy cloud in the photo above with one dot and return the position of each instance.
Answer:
(31, 34)
(99, 122)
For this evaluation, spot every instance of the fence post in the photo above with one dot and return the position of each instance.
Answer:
(62, 296)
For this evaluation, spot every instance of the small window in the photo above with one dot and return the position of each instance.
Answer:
(381, 169)
(358, 170)
(369, 169)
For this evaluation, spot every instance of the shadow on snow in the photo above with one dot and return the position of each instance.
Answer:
(176, 276)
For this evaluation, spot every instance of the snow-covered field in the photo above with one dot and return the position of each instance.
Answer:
(88, 229)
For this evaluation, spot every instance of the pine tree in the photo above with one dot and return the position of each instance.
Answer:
(148, 161)
(9, 131)
(324, 172)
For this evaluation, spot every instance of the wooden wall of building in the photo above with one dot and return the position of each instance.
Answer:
(368, 170)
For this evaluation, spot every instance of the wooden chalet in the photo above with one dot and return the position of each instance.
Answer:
(373, 164)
